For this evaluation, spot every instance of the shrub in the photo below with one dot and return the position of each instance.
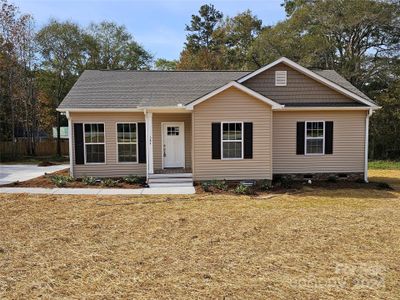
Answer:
(286, 182)
(242, 189)
(89, 180)
(384, 186)
(109, 182)
(61, 180)
(332, 179)
(265, 185)
(219, 184)
(132, 179)
(206, 186)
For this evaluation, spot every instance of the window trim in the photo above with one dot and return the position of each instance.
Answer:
(314, 138)
(104, 143)
(222, 140)
(117, 143)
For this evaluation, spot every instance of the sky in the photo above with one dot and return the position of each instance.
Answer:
(157, 25)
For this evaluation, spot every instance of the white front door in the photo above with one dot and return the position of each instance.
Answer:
(173, 145)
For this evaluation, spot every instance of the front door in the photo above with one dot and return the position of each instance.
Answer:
(173, 146)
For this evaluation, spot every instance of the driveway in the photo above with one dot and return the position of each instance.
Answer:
(12, 173)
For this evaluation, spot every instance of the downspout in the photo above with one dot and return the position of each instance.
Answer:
(370, 111)
(71, 165)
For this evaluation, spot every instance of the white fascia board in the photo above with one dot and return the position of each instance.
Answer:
(248, 91)
(310, 74)
(308, 108)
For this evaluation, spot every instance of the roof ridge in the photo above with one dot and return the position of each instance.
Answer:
(171, 71)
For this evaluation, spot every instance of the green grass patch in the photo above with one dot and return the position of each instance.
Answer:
(384, 165)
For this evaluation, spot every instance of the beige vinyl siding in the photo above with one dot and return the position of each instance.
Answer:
(159, 118)
(300, 88)
(348, 143)
(232, 105)
(111, 168)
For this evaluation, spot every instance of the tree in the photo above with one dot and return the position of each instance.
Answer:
(203, 44)
(240, 31)
(112, 47)
(163, 64)
(62, 49)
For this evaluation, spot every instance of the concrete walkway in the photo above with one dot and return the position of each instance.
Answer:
(12, 173)
(82, 191)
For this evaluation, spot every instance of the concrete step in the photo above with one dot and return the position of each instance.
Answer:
(165, 185)
(174, 175)
(169, 179)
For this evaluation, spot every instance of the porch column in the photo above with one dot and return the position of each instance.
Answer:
(149, 142)
(70, 148)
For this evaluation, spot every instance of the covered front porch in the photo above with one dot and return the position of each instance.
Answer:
(168, 144)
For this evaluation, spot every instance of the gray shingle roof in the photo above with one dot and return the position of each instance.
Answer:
(132, 89)
(335, 77)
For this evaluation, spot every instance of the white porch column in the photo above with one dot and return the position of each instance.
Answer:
(149, 141)
(70, 150)
(366, 145)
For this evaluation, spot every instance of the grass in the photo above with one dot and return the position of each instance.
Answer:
(384, 165)
(316, 244)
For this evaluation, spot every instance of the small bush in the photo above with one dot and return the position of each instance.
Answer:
(60, 180)
(265, 185)
(89, 180)
(219, 184)
(133, 179)
(286, 182)
(109, 182)
(360, 180)
(384, 186)
(242, 189)
(206, 186)
(332, 179)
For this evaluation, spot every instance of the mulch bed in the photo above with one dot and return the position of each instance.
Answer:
(45, 182)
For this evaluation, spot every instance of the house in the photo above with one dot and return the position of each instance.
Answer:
(282, 119)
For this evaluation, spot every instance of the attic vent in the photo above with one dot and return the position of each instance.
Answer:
(280, 78)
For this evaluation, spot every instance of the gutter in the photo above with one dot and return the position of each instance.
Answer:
(370, 112)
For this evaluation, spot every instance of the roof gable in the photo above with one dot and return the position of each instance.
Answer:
(238, 86)
(319, 78)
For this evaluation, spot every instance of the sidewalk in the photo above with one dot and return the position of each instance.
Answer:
(82, 191)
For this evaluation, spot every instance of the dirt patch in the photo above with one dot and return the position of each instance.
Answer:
(46, 182)
(47, 164)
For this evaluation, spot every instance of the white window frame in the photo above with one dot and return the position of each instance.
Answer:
(314, 138)
(222, 140)
(276, 78)
(125, 143)
(104, 143)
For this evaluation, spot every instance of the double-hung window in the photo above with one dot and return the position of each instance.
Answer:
(232, 140)
(94, 143)
(315, 137)
(127, 142)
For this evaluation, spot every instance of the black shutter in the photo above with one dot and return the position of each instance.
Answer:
(79, 151)
(248, 140)
(300, 138)
(216, 140)
(328, 137)
(142, 142)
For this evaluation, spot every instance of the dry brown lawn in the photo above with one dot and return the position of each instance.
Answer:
(317, 244)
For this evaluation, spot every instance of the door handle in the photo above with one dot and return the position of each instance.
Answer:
(164, 150)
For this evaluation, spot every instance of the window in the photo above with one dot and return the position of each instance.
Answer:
(280, 78)
(94, 143)
(315, 136)
(127, 142)
(173, 130)
(232, 140)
